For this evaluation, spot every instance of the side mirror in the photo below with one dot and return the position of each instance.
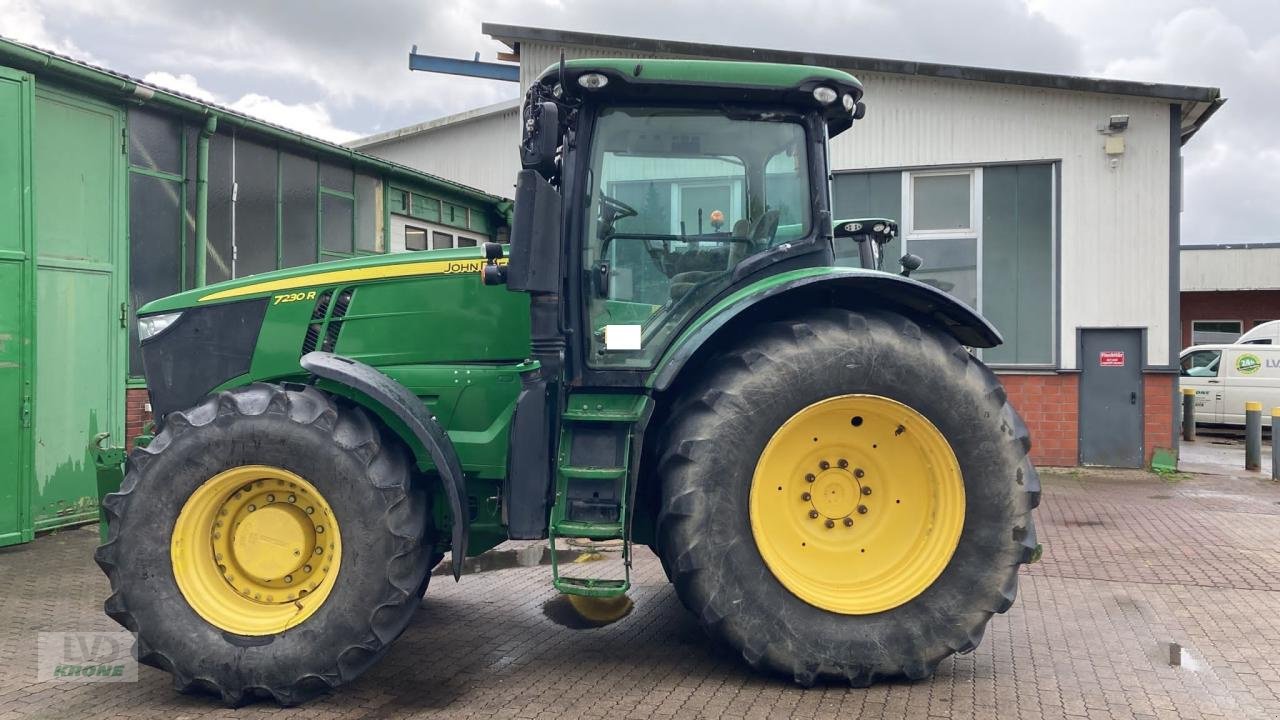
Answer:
(541, 138)
(910, 263)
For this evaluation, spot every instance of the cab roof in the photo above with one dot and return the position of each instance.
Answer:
(711, 81)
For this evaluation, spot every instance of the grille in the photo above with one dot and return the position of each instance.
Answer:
(335, 320)
(317, 321)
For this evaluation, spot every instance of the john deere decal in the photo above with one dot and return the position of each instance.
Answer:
(1248, 364)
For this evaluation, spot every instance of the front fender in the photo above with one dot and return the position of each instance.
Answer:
(395, 398)
(831, 286)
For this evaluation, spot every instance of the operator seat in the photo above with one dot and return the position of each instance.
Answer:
(739, 249)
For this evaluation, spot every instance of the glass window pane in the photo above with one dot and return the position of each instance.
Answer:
(218, 251)
(415, 238)
(950, 265)
(368, 214)
(466, 241)
(1202, 363)
(255, 208)
(337, 177)
(673, 209)
(155, 141)
(335, 223)
(298, 211)
(155, 247)
(941, 202)
(440, 241)
(1205, 332)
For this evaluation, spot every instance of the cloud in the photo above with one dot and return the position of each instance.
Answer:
(21, 20)
(309, 118)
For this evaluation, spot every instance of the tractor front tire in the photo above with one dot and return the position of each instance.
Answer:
(845, 496)
(269, 542)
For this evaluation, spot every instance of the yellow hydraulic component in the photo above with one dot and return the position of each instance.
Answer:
(857, 504)
(256, 550)
(601, 610)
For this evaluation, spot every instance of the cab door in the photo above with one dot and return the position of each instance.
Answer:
(1251, 374)
(1201, 371)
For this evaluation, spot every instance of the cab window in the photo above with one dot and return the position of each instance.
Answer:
(1201, 363)
(679, 197)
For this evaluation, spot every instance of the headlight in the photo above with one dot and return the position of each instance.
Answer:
(878, 227)
(593, 81)
(847, 101)
(152, 325)
(824, 95)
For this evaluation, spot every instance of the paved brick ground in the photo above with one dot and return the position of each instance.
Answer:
(1132, 562)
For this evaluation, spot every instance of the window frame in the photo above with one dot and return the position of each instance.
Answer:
(1238, 323)
(973, 232)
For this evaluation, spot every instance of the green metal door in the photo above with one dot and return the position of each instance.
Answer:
(16, 280)
(79, 202)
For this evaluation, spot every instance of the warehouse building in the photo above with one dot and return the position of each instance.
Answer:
(1050, 203)
(1228, 290)
(114, 193)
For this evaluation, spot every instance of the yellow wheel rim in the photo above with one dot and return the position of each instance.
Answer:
(857, 504)
(256, 550)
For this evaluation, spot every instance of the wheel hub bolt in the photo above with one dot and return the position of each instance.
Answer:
(862, 509)
(271, 498)
(830, 524)
(824, 464)
(809, 478)
(848, 522)
(252, 508)
(813, 514)
(288, 578)
(858, 473)
(805, 496)
(293, 498)
(842, 463)
(866, 489)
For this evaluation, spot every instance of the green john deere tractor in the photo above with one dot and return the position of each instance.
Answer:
(679, 348)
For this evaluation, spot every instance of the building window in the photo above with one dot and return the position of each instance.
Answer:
(943, 228)
(440, 241)
(466, 241)
(1207, 332)
(1201, 363)
(414, 238)
(986, 236)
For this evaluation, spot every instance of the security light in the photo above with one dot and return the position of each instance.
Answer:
(1117, 123)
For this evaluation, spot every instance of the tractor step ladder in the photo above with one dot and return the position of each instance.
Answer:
(598, 439)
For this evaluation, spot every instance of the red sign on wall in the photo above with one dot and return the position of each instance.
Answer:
(1111, 358)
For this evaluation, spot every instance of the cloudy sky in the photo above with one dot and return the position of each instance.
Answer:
(339, 69)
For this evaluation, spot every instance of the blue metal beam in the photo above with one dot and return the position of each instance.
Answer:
(466, 68)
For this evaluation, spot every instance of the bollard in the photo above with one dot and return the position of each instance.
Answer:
(1253, 435)
(1189, 414)
(1275, 456)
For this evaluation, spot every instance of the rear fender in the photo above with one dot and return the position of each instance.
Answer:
(851, 288)
(382, 396)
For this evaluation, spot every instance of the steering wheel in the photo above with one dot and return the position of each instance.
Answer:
(765, 228)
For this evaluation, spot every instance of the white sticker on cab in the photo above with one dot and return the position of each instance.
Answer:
(622, 337)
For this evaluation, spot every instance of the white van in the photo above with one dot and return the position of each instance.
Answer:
(1268, 333)
(1226, 376)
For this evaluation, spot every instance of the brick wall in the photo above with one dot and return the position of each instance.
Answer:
(1049, 405)
(1157, 401)
(1246, 306)
(135, 414)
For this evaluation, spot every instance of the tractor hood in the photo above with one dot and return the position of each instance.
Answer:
(306, 277)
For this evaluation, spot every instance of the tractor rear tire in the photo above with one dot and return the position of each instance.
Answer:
(336, 467)
(712, 532)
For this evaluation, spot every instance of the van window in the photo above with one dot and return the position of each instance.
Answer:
(1201, 363)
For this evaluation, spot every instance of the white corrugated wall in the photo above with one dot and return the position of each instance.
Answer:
(1239, 268)
(479, 152)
